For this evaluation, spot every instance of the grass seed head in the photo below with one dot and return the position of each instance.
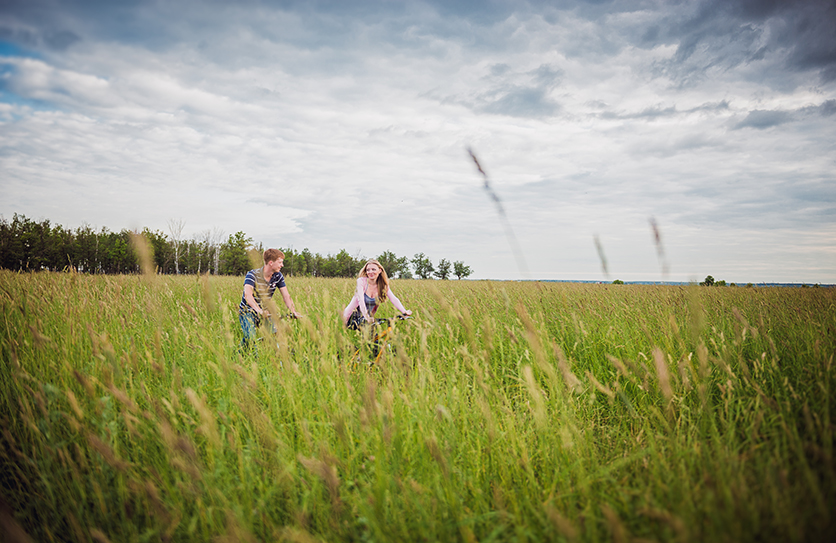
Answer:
(662, 373)
(107, 453)
(572, 382)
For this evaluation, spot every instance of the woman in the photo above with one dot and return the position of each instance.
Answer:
(372, 290)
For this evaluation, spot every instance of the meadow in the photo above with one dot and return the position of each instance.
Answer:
(504, 411)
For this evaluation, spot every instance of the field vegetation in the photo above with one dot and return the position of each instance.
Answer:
(504, 411)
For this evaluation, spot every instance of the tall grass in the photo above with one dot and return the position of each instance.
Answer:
(504, 411)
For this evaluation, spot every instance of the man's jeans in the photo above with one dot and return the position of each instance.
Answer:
(249, 326)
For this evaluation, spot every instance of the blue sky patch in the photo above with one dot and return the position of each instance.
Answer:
(9, 49)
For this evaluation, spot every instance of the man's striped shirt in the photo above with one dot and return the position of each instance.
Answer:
(261, 288)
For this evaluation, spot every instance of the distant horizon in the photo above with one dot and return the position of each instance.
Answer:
(672, 283)
(476, 278)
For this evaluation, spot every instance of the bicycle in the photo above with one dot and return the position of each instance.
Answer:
(379, 343)
(263, 327)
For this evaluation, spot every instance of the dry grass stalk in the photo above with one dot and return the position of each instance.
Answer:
(107, 453)
(571, 379)
(74, 405)
(98, 536)
(12, 531)
(209, 426)
(617, 528)
(144, 253)
(602, 388)
(564, 526)
(662, 373)
(328, 473)
(537, 395)
(435, 452)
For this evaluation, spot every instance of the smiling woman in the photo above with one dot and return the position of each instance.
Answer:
(372, 290)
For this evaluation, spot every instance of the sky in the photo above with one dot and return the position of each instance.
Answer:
(346, 125)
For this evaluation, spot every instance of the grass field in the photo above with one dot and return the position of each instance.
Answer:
(504, 412)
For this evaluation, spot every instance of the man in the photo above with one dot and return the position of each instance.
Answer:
(259, 284)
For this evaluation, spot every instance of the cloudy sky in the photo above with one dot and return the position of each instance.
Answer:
(345, 125)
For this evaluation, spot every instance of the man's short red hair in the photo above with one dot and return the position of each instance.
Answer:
(272, 254)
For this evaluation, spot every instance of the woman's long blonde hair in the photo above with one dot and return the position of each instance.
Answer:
(382, 279)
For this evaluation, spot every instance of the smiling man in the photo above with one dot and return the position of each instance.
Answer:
(260, 284)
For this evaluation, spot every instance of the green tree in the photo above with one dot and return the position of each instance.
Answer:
(115, 252)
(294, 264)
(340, 265)
(37, 240)
(86, 245)
(62, 247)
(394, 265)
(423, 266)
(404, 273)
(443, 269)
(234, 259)
(709, 281)
(309, 261)
(26, 244)
(176, 229)
(163, 252)
(196, 257)
(13, 253)
(345, 265)
(460, 270)
(618, 282)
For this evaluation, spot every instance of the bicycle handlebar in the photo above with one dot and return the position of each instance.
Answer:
(401, 317)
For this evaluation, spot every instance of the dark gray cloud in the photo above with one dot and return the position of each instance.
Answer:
(658, 111)
(724, 34)
(762, 119)
(826, 109)
(652, 112)
(523, 102)
(504, 90)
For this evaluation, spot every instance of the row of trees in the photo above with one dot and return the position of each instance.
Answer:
(29, 245)
(711, 282)
(344, 265)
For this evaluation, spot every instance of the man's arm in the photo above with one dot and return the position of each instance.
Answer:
(289, 302)
(248, 296)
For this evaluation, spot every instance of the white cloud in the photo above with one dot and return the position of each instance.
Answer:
(346, 127)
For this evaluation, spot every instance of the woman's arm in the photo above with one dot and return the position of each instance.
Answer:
(349, 309)
(397, 303)
(362, 282)
(357, 301)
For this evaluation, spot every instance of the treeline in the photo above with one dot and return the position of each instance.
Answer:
(29, 245)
